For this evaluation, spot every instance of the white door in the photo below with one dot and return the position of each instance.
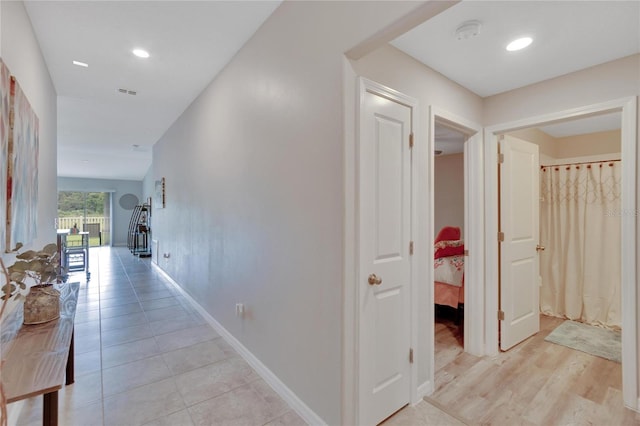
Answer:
(384, 268)
(519, 222)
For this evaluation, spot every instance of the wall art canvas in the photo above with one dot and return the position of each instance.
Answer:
(5, 87)
(22, 184)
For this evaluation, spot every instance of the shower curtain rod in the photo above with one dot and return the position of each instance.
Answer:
(584, 162)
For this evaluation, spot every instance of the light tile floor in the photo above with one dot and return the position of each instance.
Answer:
(144, 356)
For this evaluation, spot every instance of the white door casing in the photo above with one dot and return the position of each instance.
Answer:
(519, 226)
(384, 238)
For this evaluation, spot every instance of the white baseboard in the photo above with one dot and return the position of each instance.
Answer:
(425, 389)
(306, 413)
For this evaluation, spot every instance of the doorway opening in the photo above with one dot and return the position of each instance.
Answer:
(80, 211)
(626, 108)
(449, 218)
(458, 228)
(580, 184)
(580, 219)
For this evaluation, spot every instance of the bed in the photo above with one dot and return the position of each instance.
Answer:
(449, 268)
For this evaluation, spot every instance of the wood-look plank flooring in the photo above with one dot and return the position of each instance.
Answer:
(534, 383)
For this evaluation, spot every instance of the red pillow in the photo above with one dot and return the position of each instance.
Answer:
(448, 248)
(448, 233)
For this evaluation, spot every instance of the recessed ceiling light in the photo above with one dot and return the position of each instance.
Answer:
(140, 53)
(518, 44)
(80, 64)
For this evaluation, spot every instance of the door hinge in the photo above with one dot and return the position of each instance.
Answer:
(411, 248)
(501, 236)
(500, 158)
(466, 252)
(411, 140)
(500, 315)
(411, 356)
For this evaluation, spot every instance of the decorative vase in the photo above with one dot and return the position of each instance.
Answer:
(42, 304)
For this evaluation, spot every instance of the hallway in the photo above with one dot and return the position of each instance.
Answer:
(143, 355)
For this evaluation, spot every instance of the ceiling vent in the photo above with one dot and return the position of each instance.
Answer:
(128, 92)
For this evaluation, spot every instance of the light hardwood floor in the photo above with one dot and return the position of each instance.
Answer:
(534, 383)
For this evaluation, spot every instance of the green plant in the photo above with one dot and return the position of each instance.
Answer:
(32, 268)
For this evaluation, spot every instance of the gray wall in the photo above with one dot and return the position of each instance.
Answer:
(120, 216)
(255, 193)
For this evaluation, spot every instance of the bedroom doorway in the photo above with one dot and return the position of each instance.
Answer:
(449, 215)
(457, 236)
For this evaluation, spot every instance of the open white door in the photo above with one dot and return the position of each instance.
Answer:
(519, 225)
(384, 271)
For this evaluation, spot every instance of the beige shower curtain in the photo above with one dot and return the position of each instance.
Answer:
(580, 227)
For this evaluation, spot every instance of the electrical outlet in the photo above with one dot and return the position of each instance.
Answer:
(239, 309)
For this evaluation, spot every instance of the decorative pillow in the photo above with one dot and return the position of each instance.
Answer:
(448, 248)
(448, 233)
(449, 270)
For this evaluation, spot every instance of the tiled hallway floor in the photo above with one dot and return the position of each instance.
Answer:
(143, 355)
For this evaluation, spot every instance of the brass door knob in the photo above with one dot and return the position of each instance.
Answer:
(374, 280)
(539, 247)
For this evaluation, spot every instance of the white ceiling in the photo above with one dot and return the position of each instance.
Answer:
(189, 43)
(598, 123)
(106, 134)
(448, 140)
(567, 36)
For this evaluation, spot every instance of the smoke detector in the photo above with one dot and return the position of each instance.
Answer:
(468, 29)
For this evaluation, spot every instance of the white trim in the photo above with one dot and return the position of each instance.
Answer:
(474, 226)
(349, 336)
(416, 271)
(629, 267)
(491, 243)
(629, 203)
(366, 85)
(424, 389)
(306, 413)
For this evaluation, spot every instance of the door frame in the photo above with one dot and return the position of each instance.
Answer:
(351, 321)
(474, 230)
(628, 109)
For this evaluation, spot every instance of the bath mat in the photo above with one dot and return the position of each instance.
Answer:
(587, 338)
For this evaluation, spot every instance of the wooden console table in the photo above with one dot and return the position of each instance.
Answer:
(39, 357)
